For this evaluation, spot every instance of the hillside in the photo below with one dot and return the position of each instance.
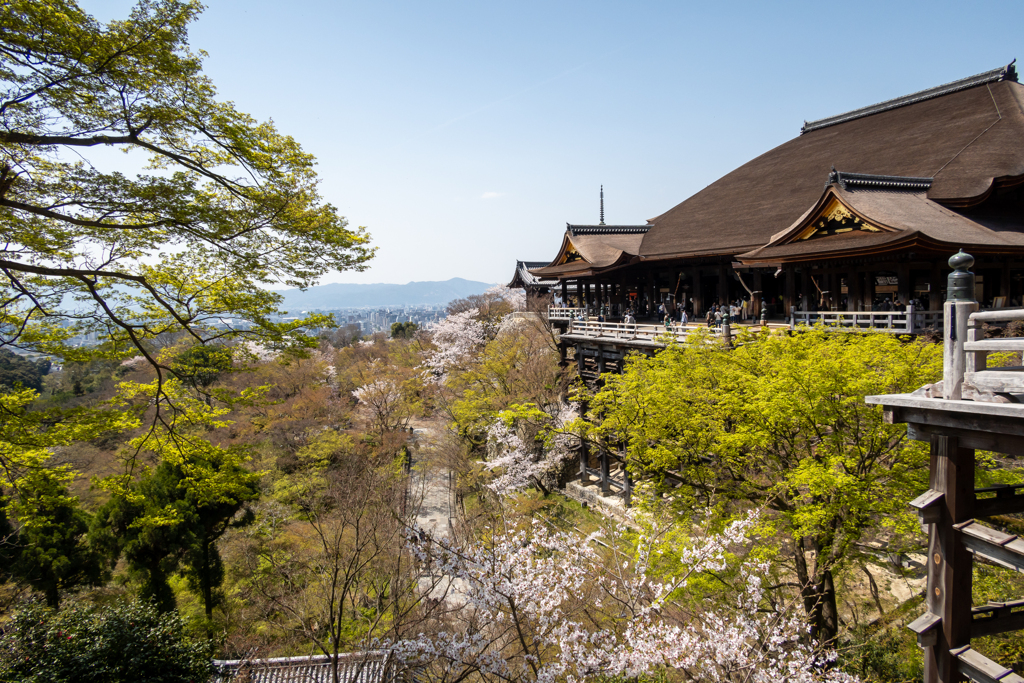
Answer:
(337, 295)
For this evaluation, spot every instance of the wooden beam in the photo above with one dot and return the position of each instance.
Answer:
(982, 669)
(1004, 549)
(997, 617)
(1010, 444)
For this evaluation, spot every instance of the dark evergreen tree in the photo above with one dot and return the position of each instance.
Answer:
(166, 526)
(49, 549)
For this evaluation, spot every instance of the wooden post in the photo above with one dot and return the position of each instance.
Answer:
(584, 457)
(853, 291)
(949, 563)
(627, 488)
(805, 284)
(957, 311)
(565, 293)
(935, 289)
(698, 295)
(605, 473)
(723, 284)
(789, 300)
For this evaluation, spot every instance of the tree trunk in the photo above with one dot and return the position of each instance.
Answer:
(829, 625)
(206, 582)
(819, 598)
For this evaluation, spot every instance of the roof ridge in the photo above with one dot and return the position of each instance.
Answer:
(606, 229)
(1003, 73)
(872, 181)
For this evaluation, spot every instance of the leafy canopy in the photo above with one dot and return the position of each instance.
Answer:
(222, 204)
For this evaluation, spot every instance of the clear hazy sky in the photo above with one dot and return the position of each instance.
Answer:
(464, 135)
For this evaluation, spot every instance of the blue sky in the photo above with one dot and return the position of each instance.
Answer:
(464, 135)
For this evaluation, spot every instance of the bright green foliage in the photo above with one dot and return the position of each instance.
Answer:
(516, 366)
(234, 199)
(123, 643)
(27, 436)
(175, 513)
(780, 422)
(51, 554)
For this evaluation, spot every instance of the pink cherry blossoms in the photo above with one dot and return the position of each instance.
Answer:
(544, 605)
(457, 338)
(521, 464)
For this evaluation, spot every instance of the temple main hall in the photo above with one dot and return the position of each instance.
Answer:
(859, 212)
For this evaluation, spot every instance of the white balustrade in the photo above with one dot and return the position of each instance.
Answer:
(630, 331)
(559, 313)
(897, 322)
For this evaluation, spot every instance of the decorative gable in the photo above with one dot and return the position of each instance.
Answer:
(835, 218)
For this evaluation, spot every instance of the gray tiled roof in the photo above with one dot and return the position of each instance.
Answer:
(353, 667)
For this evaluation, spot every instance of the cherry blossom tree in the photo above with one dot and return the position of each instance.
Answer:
(544, 605)
(384, 399)
(526, 461)
(457, 338)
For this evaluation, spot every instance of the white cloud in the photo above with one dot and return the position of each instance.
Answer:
(491, 195)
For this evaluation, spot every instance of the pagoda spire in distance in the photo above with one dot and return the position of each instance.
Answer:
(602, 206)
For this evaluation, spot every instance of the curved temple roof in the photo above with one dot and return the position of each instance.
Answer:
(885, 212)
(966, 137)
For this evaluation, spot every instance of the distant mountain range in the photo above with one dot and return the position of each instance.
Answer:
(336, 295)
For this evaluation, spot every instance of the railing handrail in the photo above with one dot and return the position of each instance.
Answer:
(999, 314)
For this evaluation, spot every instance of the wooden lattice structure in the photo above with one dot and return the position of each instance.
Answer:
(975, 407)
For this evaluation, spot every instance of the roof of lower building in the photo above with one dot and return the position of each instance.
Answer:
(523, 278)
(353, 667)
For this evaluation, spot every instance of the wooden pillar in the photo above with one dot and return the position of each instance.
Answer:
(755, 301)
(723, 284)
(905, 286)
(949, 563)
(565, 292)
(935, 286)
(627, 486)
(605, 473)
(869, 290)
(698, 294)
(789, 299)
(584, 457)
(1004, 280)
(579, 359)
(600, 361)
(805, 285)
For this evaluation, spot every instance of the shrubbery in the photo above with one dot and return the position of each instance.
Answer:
(130, 642)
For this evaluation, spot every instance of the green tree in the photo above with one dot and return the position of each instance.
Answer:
(222, 207)
(123, 643)
(404, 330)
(201, 365)
(780, 422)
(15, 370)
(52, 555)
(174, 514)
